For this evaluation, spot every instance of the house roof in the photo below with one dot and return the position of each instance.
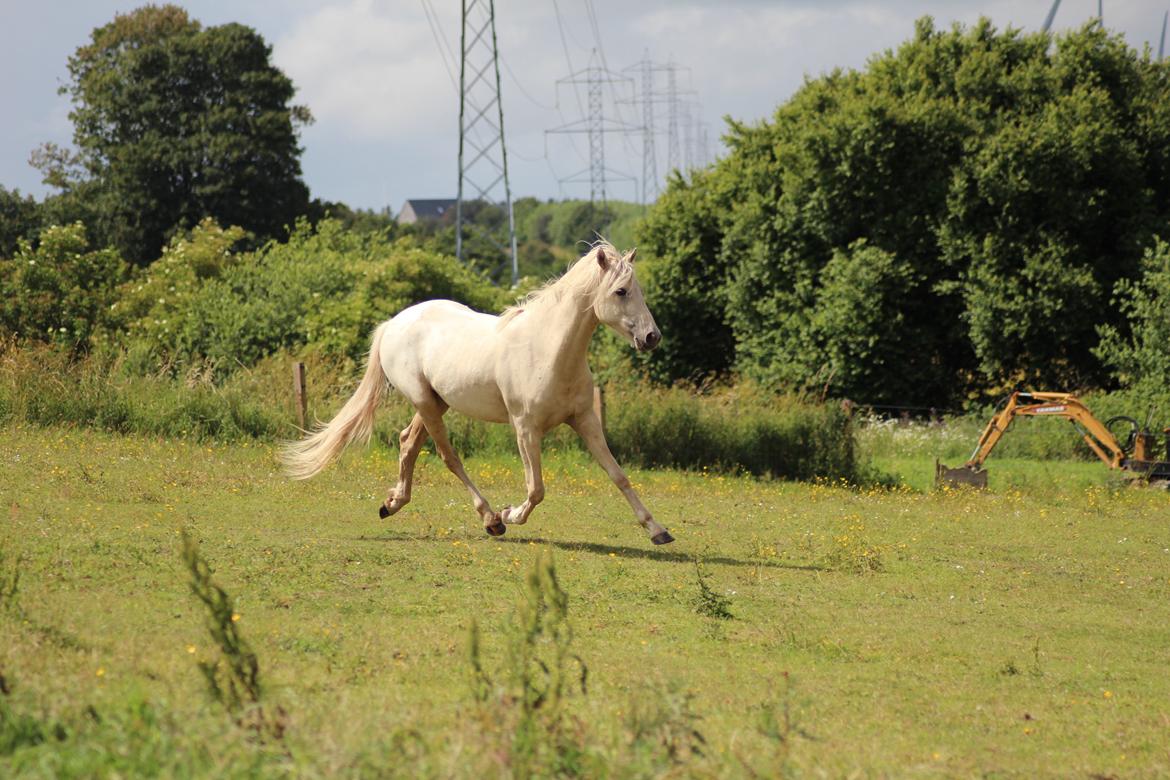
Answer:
(425, 208)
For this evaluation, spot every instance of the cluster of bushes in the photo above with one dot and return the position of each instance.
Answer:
(740, 428)
(205, 304)
(46, 386)
(972, 210)
(325, 288)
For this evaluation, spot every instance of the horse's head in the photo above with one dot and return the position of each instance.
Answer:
(619, 302)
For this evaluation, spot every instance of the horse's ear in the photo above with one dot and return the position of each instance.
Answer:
(602, 260)
(633, 253)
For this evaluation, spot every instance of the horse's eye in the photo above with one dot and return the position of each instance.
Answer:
(621, 292)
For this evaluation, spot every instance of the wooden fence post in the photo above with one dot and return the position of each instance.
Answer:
(299, 393)
(599, 405)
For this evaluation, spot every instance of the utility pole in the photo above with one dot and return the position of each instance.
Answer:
(678, 119)
(481, 127)
(1162, 40)
(649, 96)
(1051, 16)
(596, 125)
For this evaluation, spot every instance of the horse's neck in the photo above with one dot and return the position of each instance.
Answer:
(564, 329)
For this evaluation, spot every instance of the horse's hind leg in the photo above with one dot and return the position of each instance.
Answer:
(410, 444)
(433, 420)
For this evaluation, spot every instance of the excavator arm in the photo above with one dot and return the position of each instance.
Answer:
(1023, 404)
(1020, 404)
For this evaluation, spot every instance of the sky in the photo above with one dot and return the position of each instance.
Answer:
(380, 79)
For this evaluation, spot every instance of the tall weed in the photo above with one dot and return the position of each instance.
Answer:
(233, 677)
(738, 428)
(43, 386)
(734, 429)
(525, 707)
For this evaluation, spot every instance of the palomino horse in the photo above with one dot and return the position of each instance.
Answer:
(526, 367)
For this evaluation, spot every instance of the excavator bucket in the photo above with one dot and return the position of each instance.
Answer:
(963, 476)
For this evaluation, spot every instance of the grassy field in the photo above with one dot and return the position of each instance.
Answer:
(828, 631)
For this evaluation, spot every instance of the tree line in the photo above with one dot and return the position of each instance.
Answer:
(972, 210)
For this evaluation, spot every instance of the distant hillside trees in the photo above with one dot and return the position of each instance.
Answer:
(951, 220)
(549, 234)
(174, 122)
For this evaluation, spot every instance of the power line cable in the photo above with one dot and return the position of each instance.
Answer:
(568, 59)
(591, 13)
(447, 57)
(523, 91)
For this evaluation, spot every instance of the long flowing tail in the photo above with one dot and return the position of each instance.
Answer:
(302, 459)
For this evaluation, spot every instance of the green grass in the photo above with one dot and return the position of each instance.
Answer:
(1019, 632)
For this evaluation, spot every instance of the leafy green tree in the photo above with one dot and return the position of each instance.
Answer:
(61, 291)
(949, 220)
(1052, 209)
(174, 122)
(685, 281)
(858, 322)
(1139, 352)
(20, 217)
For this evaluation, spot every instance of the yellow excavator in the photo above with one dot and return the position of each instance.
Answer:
(1132, 451)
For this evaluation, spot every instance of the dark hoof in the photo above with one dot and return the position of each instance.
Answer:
(383, 512)
(662, 538)
(497, 529)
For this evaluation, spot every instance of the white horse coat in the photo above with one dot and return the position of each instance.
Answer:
(527, 367)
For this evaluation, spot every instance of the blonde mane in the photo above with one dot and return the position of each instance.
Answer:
(582, 279)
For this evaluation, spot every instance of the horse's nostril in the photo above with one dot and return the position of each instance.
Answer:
(652, 338)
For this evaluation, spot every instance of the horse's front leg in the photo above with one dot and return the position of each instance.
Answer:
(528, 441)
(588, 427)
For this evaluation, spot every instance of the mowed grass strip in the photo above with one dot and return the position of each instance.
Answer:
(1021, 632)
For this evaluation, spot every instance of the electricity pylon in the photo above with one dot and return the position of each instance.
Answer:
(595, 125)
(677, 132)
(481, 126)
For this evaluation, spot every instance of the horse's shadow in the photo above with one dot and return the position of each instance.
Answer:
(620, 551)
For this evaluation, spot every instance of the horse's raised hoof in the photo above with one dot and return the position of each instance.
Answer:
(662, 538)
(383, 512)
(496, 529)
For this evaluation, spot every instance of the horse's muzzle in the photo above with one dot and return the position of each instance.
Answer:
(649, 341)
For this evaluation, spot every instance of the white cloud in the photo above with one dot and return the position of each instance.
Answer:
(367, 70)
(387, 125)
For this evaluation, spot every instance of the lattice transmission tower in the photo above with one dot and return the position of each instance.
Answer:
(481, 131)
(680, 147)
(595, 125)
(647, 98)
(649, 158)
